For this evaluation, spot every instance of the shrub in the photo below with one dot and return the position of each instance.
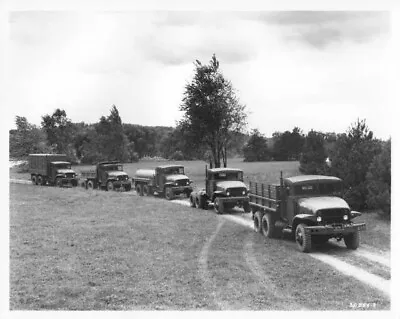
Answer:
(177, 156)
(379, 180)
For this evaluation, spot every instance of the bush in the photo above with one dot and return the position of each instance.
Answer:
(177, 156)
(256, 149)
(379, 180)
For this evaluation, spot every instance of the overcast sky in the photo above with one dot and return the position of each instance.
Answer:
(315, 70)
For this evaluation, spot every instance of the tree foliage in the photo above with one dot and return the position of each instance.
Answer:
(212, 112)
(313, 155)
(256, 148)
(379, 180)
(288, 145)
(351, 159)
(27, 139)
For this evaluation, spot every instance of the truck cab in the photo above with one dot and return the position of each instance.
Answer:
(224, 188)
(61, 173)
(111, 175)
(171, 180)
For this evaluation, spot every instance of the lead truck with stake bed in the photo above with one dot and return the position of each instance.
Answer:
(51, 168)
(310, 208)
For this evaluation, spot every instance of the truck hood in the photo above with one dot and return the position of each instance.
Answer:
(317, 203)
(231, 184)
(116, 173)
(175, 177)
(65, 171)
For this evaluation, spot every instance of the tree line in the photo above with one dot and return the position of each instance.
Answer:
(213, 128)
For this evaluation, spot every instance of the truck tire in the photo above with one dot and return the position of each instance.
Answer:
(202, 202)
(139, 189)
(34, 180)
(268, 226)
(257, 221)
(303, 239)
(168, 193)
(109, 186)
(352, 240)
(192, 202)
(218, 207)
(89, 185)
(246, 207)
(147, 191)
(188, 194)
(40, 180)
(58, 182)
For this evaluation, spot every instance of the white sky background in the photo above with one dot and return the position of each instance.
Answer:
(314, 70)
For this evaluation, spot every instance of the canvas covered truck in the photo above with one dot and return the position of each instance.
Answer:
(310, 208)
(107, 175)
(224, 188)
(166, 180)
(53, 169)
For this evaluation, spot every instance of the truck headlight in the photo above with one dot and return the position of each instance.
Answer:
(228, 193)
(244, 192)
(345, 217)
(187, 182)
(319, 219)
(176, 184)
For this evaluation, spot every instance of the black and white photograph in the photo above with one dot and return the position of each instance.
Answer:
(202, 158)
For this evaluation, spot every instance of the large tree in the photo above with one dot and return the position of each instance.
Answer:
(256, 148)
(212, 111)
(313, 155)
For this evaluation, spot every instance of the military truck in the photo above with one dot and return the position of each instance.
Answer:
(53, 169)
(309, 208)
(107, 175)
(166, 180)
(224, 188)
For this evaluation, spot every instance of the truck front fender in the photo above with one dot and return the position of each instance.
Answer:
(304, 218)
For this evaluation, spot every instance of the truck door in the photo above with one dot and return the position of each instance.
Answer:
(101, 175)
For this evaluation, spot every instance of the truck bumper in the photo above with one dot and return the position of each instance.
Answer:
(242, 201)
(122, 184)
(69, 182)
(333, 230)
(181, 189)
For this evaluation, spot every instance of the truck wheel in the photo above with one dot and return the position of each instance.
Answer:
(246, 207)
(40, 180)
(202, 202)
(58, 182)
(352, 240)
(303, 239)
(192, 202)
(257, 221)
(34, 180)
(109, 186)
(90, 185)
(168, 193)
(139, 189)
(218, 207)
(268, 226)
(147, 191)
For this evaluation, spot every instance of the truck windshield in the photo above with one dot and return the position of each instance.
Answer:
(65, 166)
(114, 168)
(334, 189)
(174, 171)
(229, 176)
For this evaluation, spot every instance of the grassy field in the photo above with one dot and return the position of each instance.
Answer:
(95, 250)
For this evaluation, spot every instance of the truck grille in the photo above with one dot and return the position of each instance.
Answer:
(182, 182)
(70, 175)
(123, 178)
(235, 192)
(331, 216)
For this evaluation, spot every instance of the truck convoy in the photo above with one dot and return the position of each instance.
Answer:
(167, 180)
(310, 208)
(52, 169)
(107, 175)
(224, 188)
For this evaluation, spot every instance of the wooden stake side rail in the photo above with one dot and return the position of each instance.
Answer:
(264, 195)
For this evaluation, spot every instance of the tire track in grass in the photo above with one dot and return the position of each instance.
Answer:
(288, 302)
(19, 181)
(375, 281)
(204, 273)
